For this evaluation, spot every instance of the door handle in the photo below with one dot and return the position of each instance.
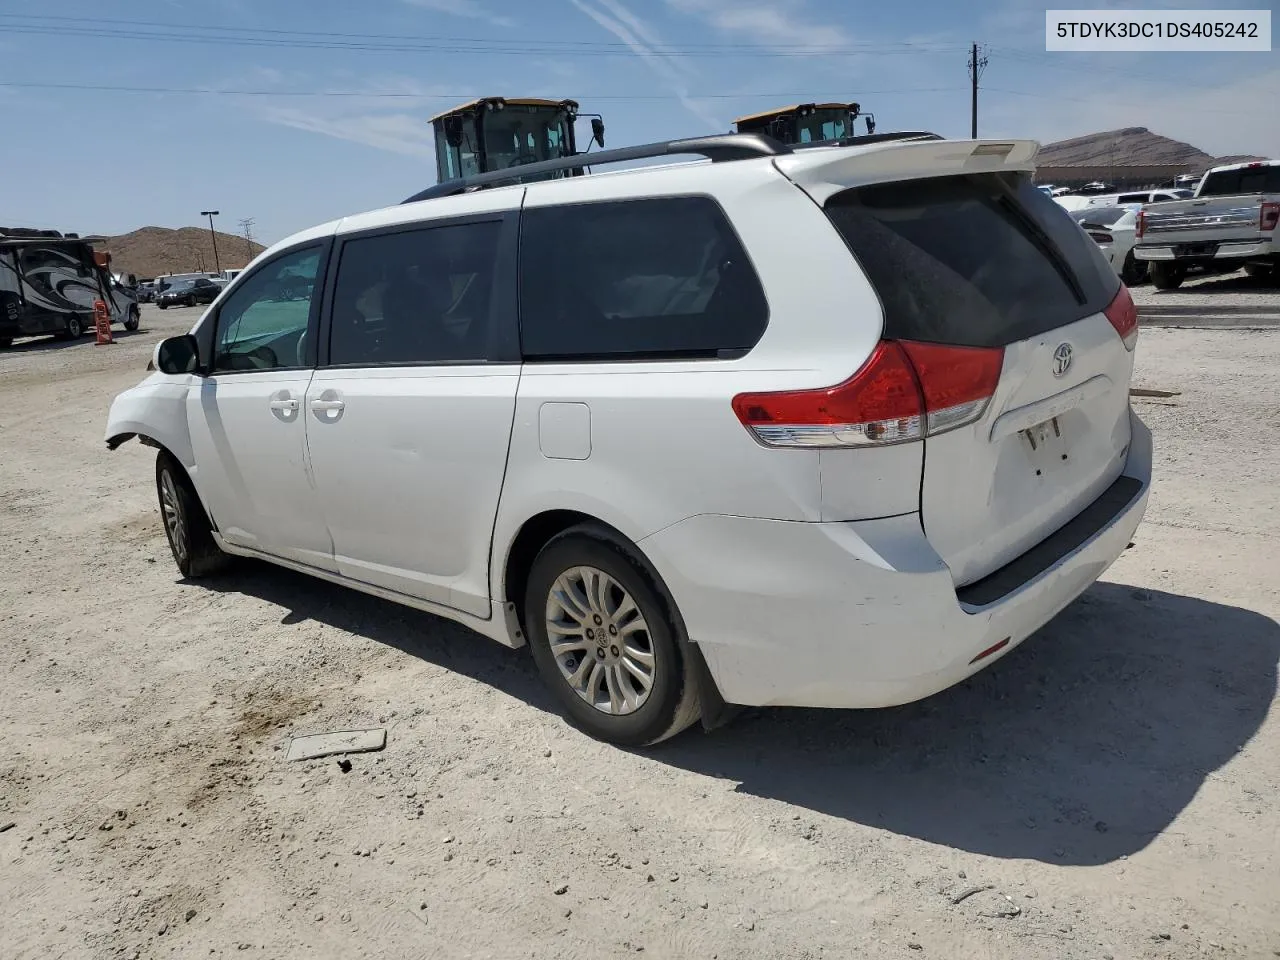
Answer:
(321, 406)
(288, 406)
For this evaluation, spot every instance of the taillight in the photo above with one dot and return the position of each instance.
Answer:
(957, 382)
(1124, 317)
(1101, 237)
(905, 391)
(1269, 217)
(1141, 226)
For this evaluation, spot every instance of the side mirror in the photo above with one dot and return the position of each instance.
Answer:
(597, 131)
(178, 355)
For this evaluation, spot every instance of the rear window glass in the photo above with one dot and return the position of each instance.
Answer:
(978, 261)
(1101, 215)
(1248, 180)
(662, 278)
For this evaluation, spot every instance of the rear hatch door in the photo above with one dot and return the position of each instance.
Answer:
(974, 255)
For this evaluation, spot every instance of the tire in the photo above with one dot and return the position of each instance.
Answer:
(1263, 271)
(1167, 276)
(1134, 270)
(592, 555)
(163, 306)
(186, 525)
(134, 318)
(6, 343)
(191, 301)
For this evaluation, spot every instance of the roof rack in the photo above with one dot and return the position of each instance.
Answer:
(869, 139)
(732, 146)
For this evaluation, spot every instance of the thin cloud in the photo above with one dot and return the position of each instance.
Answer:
(641, 39)
(400, 133)
(782, 22)
(468, 9)
(359, 119)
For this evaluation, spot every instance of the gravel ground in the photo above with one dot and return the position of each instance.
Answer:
(1106, 791)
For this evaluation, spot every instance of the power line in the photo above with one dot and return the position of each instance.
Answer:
(215, 91)
(403, 37)
(469, 46)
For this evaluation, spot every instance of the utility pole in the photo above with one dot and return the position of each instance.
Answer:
(976, 67)
(217, 266)
(246, 227)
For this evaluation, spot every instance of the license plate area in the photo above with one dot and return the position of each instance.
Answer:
(1206, 249)
(1045, 444)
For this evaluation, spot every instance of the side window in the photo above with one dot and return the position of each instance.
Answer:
(416, 296)
(262, 324)
(662, 278)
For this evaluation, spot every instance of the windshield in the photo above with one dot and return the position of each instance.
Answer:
(1226, 183)
(825, 125)
(513, 137)
(520, 135)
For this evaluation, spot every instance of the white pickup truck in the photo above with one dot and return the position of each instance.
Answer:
(1229, 223)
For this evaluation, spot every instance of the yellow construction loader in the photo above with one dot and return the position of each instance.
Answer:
(498, 133)
(807, 122)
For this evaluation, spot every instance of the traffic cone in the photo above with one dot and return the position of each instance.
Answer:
(102, 323)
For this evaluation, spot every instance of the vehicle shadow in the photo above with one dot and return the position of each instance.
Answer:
(1079, 747)
(430, 638)
(50, 342)
(1200, 284)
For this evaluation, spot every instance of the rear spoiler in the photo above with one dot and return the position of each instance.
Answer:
(822, 173)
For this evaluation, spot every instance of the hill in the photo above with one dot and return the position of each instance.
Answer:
(1129, 147)
(152, 251)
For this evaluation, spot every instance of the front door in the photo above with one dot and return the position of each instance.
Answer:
(247, 418)
(409, 421)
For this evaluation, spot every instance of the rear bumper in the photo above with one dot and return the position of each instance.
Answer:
(1228, 250)
(863, 614)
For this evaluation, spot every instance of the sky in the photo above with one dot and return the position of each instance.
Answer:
(294, 112)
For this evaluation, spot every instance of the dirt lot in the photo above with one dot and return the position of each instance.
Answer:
(1109, 788)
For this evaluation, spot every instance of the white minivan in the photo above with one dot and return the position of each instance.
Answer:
(834, 426)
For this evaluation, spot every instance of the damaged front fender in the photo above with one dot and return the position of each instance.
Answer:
(155, 411)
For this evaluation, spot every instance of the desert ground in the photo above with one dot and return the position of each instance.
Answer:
(1108, 790)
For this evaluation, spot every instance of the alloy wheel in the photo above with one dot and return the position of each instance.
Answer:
(175, 524)
(600, 641)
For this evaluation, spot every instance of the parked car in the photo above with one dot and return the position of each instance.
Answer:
(1138, 196)
(1230, 223)
(188, 293)
(1072, 202)
(147, 292)
(1112, 228)
(831, 426)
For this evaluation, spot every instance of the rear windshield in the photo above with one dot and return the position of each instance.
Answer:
(1228, 183)
(1105, 216)
(979, 261)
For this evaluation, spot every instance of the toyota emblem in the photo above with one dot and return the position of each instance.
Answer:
(1062, 360)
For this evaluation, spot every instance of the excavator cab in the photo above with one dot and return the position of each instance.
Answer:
(496, 133)
(807, 122)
